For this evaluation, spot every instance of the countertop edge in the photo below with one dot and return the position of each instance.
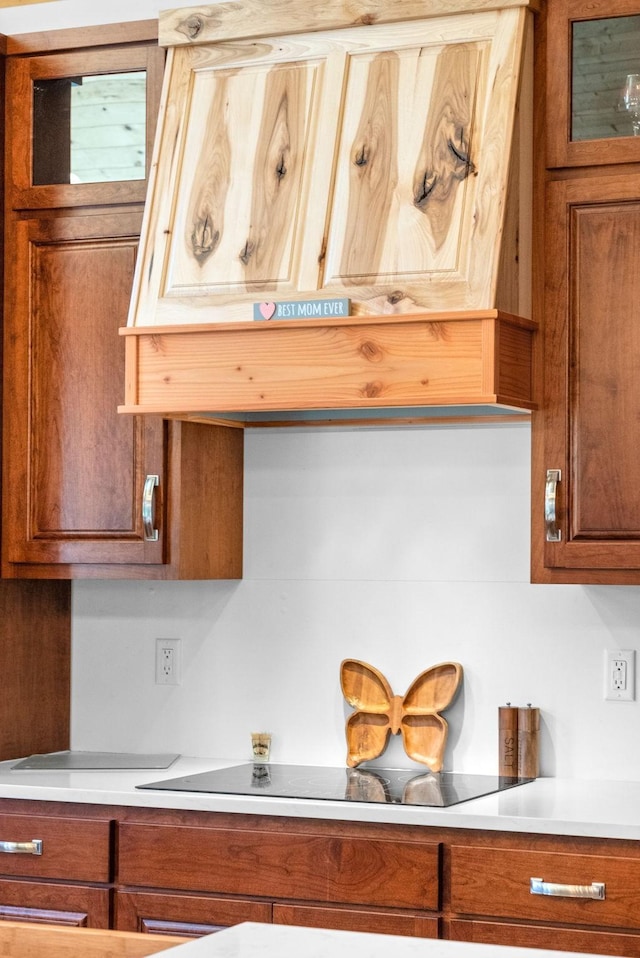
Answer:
(549, 806)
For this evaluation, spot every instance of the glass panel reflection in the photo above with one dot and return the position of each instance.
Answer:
(604, 53)
(89, 129)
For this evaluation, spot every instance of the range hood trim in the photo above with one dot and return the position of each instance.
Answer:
(235, 367)
(237, 20)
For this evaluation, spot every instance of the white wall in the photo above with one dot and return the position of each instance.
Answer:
(400, 546)
(403, 547)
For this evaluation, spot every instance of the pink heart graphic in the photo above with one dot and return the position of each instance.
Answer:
(267, 310)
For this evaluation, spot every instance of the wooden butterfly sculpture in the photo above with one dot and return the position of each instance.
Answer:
(380, 713)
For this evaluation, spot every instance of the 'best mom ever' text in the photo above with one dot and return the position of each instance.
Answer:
(302, 309)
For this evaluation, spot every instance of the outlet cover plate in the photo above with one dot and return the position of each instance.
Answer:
(620, 675)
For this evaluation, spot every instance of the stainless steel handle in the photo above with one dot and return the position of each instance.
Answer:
(148, 510)
(550, 490)
(539, 887)
(34, 847)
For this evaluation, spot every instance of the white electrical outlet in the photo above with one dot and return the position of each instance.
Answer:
(620, 675)
(168, 661)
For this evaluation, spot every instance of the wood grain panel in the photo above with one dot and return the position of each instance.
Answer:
(62, 272)
(604, 344)
(372, 170)
(591, 337)
(445, 156)
(545, 936)
(79, 467)
(403, 201)
(291, 865)
(250, 18)
(352, 919)
(369, 163)
(72, 849)
(188, 915)
(77, 906)
(508, 872)
(35, 637)
(348, 365)
(18, 940)
(242, 172)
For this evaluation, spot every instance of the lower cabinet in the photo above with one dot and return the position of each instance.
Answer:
(186, 873)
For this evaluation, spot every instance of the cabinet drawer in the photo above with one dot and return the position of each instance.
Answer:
(274, 864)
(496, 882)
(354, 919)
(191, 916)
(543, 936)
(74, 849)
(82, 906)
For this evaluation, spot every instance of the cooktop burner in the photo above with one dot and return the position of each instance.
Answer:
(382, 785)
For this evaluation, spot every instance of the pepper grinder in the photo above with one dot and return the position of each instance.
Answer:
(508, 740)
(528, 735)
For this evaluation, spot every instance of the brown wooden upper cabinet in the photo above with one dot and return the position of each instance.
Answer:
(87, 492)
(593, 83)
(586, 460)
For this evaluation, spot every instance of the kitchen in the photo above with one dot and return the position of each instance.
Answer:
(402, 546)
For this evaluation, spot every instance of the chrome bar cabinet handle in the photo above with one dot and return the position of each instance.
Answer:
(148, 508)
(34, 847)
(539, 887)
(553, 534)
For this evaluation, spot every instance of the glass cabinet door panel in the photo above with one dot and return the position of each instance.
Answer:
(80, 126)
(605, 97)
(89, 129)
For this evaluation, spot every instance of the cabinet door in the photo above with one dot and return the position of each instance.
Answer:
(591, 51)
(591, 399)
(187, 915)
(80, 125)
(369, 163)
(75, 470)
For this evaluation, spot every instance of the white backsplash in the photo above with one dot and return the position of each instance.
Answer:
(400, 546)
(403, 547)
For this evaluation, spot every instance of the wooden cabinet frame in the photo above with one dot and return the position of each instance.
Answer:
(585, 527)
(561, 150)
(75, 473)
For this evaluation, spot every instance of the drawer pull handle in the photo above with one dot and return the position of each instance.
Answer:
(594, 890)
(34, 847)
(148, 497)
(552, 532)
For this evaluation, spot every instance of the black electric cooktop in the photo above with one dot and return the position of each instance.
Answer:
(381, 785)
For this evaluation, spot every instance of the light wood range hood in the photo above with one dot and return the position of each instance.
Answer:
(370, 158)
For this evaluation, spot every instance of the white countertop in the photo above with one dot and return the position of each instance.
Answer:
(252, 940)
(546, 806)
